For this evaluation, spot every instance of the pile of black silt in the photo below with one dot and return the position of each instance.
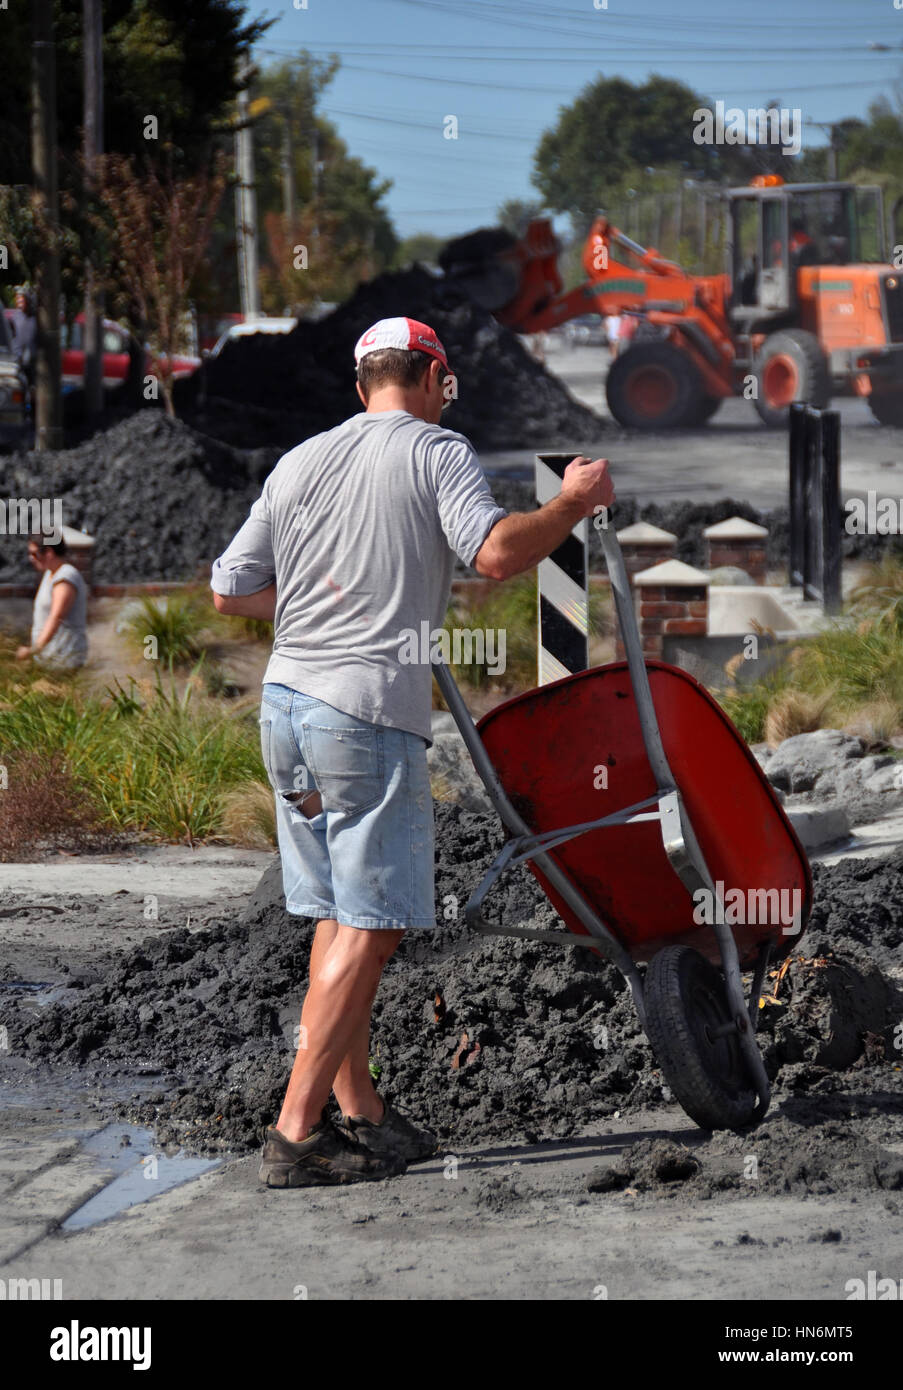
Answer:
(274, 388)
(485, 1038)
(158, 497)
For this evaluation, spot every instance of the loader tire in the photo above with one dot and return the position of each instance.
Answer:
(708, 407)
(654, 386)
(887, 406)
(685, 1000)
(790, 367)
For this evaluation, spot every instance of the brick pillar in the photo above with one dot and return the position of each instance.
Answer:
(642, 546)
(80, 553)
(671, 598)
(737, 542)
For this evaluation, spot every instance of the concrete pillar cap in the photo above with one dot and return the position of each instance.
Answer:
(736, 528)
(77, 540)
(642, 533)
(670, 574)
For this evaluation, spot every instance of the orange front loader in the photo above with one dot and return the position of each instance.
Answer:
(806, 308)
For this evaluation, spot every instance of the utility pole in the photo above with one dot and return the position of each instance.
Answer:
(92, 146)
(315, 179)
(832, 155)
(48, 405)
(289, 199)
(246, 205)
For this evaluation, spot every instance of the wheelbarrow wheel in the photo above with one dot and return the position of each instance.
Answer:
(686, 1003)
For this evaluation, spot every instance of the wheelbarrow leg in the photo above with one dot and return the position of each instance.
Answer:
(681, 845)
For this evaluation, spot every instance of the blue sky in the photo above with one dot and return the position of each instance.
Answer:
(503, 68)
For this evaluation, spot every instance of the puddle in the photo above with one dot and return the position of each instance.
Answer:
(138, 1171)
(34, 994)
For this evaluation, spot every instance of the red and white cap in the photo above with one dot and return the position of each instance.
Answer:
(408, 334)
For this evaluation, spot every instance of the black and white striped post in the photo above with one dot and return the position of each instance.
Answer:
(563, 616)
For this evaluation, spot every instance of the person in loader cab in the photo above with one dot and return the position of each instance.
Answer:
(801, 246)
(349, 548)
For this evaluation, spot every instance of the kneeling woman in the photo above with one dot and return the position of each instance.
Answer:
(59, 618)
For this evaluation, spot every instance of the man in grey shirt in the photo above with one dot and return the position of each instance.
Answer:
(349, 548)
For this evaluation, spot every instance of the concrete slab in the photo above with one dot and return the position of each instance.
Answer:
(208, 872)
(818, 827)
(868, 841)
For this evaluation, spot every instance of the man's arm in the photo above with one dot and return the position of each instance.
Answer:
(243, 577)
(519, 541)
(259, 605)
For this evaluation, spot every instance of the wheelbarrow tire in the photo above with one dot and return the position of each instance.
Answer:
(685, 999)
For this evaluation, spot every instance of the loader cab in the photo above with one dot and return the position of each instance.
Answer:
(774, 229)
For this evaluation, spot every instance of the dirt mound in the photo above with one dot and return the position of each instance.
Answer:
(486, 1039)
(303, 382)
(779, 1157)
(856, 903)
(158, 497)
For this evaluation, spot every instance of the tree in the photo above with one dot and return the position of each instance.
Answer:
(615, 129)
(876, 144)
(515, 213)
(175, 59)
(157, 226)
(319, 205)
(422, 246)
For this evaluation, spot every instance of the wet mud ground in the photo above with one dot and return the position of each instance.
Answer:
(528, 1061)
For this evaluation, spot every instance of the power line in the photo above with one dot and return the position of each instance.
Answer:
(581, 54)
(434, 128)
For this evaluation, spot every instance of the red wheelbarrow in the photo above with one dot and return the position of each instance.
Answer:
(655, 835)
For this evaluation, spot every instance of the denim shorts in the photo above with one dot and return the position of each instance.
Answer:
(366, 858)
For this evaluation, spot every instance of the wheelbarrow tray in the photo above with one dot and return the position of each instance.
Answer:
(572, 751)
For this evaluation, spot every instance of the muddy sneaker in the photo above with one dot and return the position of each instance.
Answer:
(393, 1135)
(327, 1157)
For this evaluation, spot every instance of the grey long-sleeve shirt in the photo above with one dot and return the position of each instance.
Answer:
(358, 527)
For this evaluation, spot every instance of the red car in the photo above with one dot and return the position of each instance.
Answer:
(115, 355)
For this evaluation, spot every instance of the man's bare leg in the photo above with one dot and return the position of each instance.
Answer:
(353, 1085)
(336, 1008)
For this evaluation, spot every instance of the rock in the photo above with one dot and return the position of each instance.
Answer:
(442, 722)
(886, 779)
(799, 761)
(730, 574)
(452, 774)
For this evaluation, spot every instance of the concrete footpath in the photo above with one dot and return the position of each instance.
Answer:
(514, 1222)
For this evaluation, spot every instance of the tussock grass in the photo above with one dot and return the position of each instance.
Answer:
(155, 758)
(793, 712)
(177, 623)
(249, 816)
(849, 676)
